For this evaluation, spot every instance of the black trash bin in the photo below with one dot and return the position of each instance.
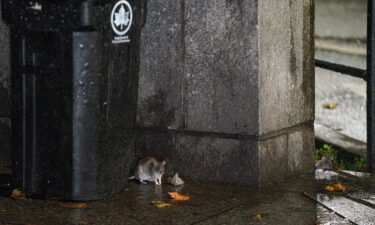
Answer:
(74, 68)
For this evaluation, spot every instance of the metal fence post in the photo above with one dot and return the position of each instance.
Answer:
(370, 87)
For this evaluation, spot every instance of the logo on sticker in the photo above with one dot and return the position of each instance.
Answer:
(121, 20)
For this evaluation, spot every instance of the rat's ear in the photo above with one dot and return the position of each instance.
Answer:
(163, 163)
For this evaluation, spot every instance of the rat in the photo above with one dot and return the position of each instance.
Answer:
(149, 169)
(324, 164)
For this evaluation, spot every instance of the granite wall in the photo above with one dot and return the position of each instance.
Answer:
(226, 92)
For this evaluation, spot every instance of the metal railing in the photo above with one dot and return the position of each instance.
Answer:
(369, 76)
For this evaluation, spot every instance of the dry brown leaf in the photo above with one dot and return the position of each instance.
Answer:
(177, 196)
(257, 217)
(335, 187)
(18, 195)
(160, 204)
(79, 205)
(82, 222)
(6, 171)
(55, 198)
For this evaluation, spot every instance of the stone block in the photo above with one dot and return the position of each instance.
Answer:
(160, 145)
(203, 159)
(286, 155)
(221, 76)
(273, 162)
(234, 102)
(286, 95)
(161, 70)
(301, 151)
(210, 160)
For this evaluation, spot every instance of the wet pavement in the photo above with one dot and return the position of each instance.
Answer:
(341, 19)
(340, 33)
(299, 201)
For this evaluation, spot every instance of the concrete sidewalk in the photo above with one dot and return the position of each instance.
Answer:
(299, 202)
(341, 38)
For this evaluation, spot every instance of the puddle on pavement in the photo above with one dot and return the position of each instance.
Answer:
(211, 204)
(354, 211)
(356, 174)
(327, 217)
(356, 204)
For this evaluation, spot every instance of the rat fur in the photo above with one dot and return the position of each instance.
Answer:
(149, 169)
(324, 164)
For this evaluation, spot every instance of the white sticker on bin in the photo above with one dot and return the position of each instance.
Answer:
(35, 6)
(121, 21)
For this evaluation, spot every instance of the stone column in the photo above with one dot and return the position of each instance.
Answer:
(226, 92)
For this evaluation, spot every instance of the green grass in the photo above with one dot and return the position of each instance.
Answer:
(358, 164)
(327, 151)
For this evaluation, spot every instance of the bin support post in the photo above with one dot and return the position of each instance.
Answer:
(370, 87)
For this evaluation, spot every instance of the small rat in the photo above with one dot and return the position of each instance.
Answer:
(149, 169)
(324, 164)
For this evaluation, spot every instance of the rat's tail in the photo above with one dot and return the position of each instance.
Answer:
(134, 179)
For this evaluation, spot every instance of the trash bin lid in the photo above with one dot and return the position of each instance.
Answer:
(50, 15)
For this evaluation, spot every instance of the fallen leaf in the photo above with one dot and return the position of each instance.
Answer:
(82, 222)
(257, 217)
(330, 105)
(6, 171)
(161, 204)
(177, 196)
(334, 187)
(55, 198)
(79, 205)
(198, 192)
(17, 195)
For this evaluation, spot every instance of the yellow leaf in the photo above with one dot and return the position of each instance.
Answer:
(334, 187)
(160, 204)
(330, 105)
(257, 217)
(82, 222)
(329, 188)
(17, 195)
(79, 205)
(177, 196)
